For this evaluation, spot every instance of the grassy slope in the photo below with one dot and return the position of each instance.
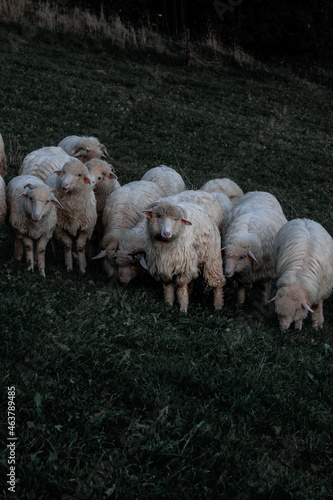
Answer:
(118, 395)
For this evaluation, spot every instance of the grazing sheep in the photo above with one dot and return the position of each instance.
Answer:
(129, 257)
(226, 186)
(43, 162)
(303, 253)
(182, 241)
(32, 216)
(84, 148)
(122, 211)
(77, 219)
(166, 178)
(3, 159)
(3, 202)
(248, 241)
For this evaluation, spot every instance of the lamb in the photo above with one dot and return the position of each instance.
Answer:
(166, 178)
(182, 241)
(84, 148)
(248, 241)
(3, 202)
(129, 257)
(3, 159)
(77, 219)
(303, 254)
(122, 211)
(32, 216)
(43, 162)
(226, 186)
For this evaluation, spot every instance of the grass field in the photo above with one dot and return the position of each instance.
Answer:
(117, 395)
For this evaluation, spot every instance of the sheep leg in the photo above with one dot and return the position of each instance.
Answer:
(18, 249)
(317, 315)
(218, 297)
(29, 251)
(169, 293)
(241, 294)
(66, 240)
(298, 325)
(182, 296)
(81, 251)
(265, 289)
(40, 254)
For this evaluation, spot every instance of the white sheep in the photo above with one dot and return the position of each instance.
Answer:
(3, 158)
(182, 241)
(84, 148)
(303, 253)
(43, 162)
(3, 202)
(32, 216)
(248, 241)
(77, 219)
(104, 181)
(226, 186)
(129, 257)
(122, 211)
(168, 179)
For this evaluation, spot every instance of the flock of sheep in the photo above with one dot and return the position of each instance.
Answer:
(70, 196)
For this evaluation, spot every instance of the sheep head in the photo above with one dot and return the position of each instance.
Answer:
(240, 252)
(165, 221)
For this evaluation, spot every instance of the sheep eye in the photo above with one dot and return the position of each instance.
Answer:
(241, 258)
(99, 178)
(80, 175)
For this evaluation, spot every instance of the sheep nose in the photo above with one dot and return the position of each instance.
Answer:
(166, 235)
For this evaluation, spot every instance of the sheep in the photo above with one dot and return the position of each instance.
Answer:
(182, 241)
(303, 255)
(166, 178)
(129, 257)
(32, 216)
(84, 148)
(226, 186)
(77, 219)
(43, 162)
(104, 179)
(3, 159)
(122, 211)
(248, 241)
(3, 202)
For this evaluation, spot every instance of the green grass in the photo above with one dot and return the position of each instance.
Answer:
(118, 395)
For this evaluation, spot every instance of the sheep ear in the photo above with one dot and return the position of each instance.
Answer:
(143, 263)
(305, 304)
(86, 180)
(186, 222)
(147, 213)
(56, 202)
(272, 300)
(101, 254)
(138, 254)
(111, 175)
(252, 257)
(58, 172)
(105, 152)
(24, 193)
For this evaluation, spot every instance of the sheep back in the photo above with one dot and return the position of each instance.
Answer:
(3, 159)
(226, 186)
(43, 162)
(168, 179)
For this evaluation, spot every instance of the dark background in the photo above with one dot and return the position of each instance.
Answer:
(265, 28)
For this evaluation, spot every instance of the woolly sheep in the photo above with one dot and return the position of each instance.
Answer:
(3, 159)
(43, 162)
(226, 186)
(77, 219)
(182, 241)
(129, 258)
(32, 216)
(3, 202)
(249, 238)
(122, 211)
(166, 178)
(104, 181)
(84, 148)
(303, 253)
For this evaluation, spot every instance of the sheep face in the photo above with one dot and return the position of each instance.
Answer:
(165, 222)
(92, 149)
(291, 306)
(129, 266)
(73, 176)
(38, 201)
(240, 253)
(101, 173)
